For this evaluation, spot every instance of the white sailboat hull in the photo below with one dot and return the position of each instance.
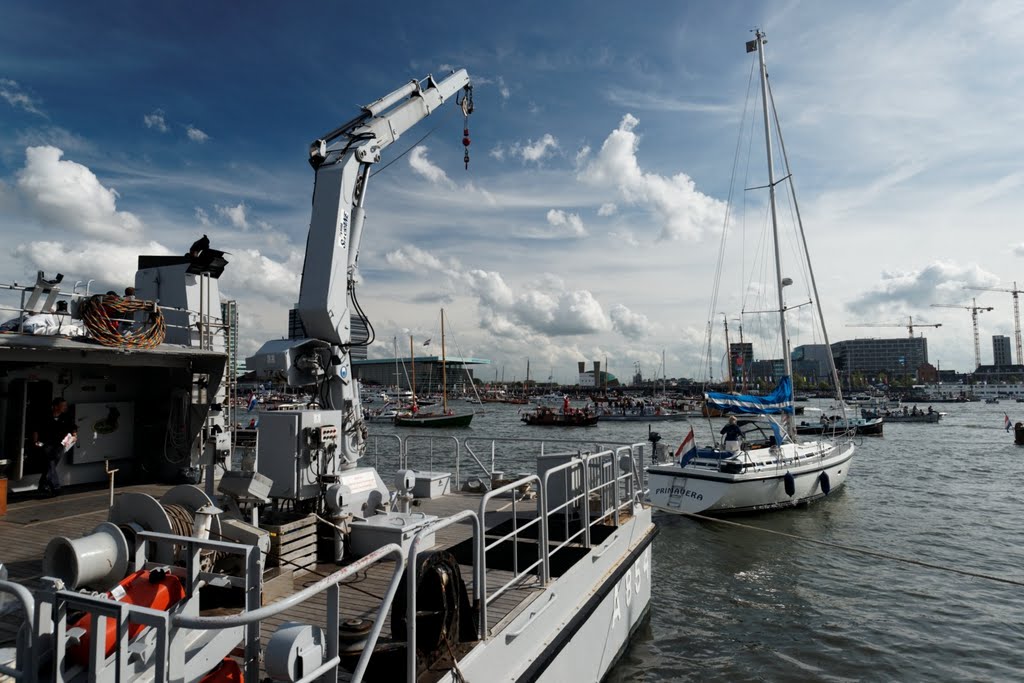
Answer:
(816, 468)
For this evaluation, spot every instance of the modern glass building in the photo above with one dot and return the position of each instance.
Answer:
(871, 357)
(1001, 350)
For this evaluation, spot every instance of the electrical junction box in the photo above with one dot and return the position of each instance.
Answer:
(431, 484)
(295, 448)
(389, 527)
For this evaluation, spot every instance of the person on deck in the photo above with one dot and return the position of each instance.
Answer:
(732, 435)
(53, 436)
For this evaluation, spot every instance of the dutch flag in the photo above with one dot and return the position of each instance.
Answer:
(253, 400)
(687, 449)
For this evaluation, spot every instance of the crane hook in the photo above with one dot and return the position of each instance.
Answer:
(466, 103)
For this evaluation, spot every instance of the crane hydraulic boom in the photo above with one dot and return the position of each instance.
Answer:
(974, 308)
(1016, 314)
(342, 160)
(909, 325)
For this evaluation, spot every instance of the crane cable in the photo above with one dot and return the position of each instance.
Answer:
(103, 315)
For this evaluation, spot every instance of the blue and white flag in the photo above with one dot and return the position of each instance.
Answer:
(253, 400)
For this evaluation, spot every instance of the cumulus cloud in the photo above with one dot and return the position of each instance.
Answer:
(68, 194)
(252, 272)
(423, 166)
(539, 150)
(156, 120)
(679, 207)
(203, 217)
(564, 222)
(549, 308)
(629, 324)
(196, 135)
(607, 209)
(112, 263)
(939, 282)
(234, 215)
(16, 96)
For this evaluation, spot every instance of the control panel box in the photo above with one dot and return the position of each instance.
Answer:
(296, 448)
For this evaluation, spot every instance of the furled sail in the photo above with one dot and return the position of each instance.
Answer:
(779, 401)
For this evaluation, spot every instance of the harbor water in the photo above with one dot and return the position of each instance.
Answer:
(783, 596)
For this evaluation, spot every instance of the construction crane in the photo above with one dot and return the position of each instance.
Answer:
(1016, 314)
(974, 308)
(909, 325)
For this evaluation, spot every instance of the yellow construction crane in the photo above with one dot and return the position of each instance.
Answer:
(974, 308)
(1016, 314)
(909, 325)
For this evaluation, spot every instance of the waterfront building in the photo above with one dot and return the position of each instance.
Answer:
(1001, 350)
(391, 372)
(870, 358)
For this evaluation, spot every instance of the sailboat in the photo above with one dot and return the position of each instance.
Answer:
(522, 400)
(446, 418)
(772, 468)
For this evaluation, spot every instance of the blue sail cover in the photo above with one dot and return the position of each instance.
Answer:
(779, 401)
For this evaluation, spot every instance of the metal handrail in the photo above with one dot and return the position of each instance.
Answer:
(412, 575)
(24, 671)
(540, 521)
(430, 439)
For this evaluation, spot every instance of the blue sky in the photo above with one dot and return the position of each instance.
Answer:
(588, 224)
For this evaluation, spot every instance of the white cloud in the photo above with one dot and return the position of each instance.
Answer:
(234, 215)
(941, 282)
(251, 272)
(537, 151)
(607, 209)
(423, 166)
(156, 120)
(682, 210)
(503, 89)
(548, 307)
(196, 135)
(625, 236)
(69, 195)
(203, 217)
(498, 153)
(112, 263)
(411, 259)
(566, 222)
(18, 98)
(53, 136)
(629, 324)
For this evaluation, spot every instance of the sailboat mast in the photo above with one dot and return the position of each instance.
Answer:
(728, 355)
(810, 270)
(412, 362)
(444, 369)
(786, 360)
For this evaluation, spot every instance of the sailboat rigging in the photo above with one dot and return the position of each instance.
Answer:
(767, 467)
(446, 418)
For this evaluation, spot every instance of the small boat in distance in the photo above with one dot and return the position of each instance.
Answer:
(546, 416)
(446, 418)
